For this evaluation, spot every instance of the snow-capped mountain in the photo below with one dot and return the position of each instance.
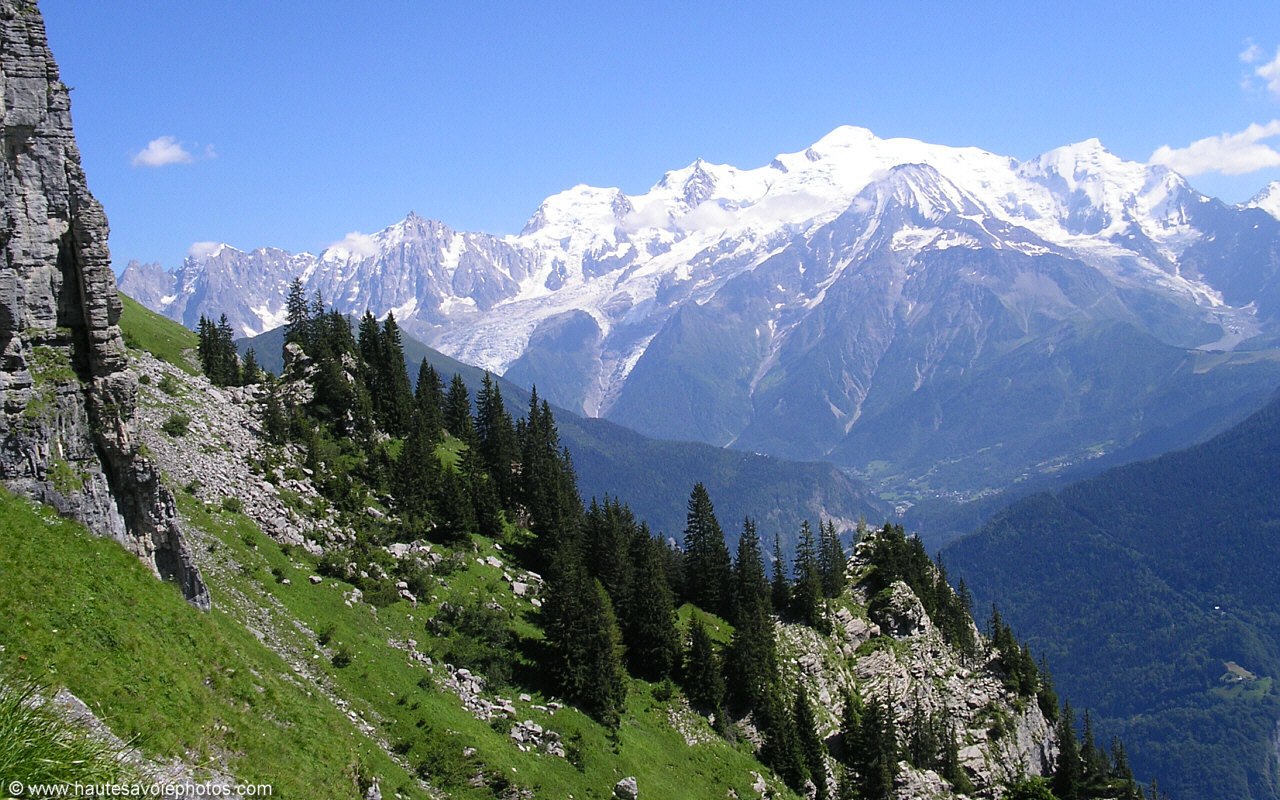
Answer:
(844, 282)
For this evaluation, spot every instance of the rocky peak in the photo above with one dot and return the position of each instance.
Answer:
(67, 425)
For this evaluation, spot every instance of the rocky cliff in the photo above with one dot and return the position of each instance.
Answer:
(67, 397)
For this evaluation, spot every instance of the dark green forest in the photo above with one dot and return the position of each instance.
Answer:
(1152, 590)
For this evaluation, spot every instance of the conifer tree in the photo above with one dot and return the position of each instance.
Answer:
(831, 560)
(812, 751)
(250, 372)
(781, 750)
(702, 682)
(547, 486)
(457, 409)
(298, 316)
(496, 438)
(876, 752)
(706, 555)
(751, 660)
(779, 586)
(582, 635)
(653, 642)
(806, 593)
(429, 400)
(396, 404)
(1068, 769)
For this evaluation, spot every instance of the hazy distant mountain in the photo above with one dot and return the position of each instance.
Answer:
(942, 319)
(1153, 589)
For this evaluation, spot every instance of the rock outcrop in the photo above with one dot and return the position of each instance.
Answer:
(67, 397)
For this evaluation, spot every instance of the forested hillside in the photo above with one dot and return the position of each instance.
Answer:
(1152, 589)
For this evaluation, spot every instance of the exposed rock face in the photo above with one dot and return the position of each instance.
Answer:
(67, 426)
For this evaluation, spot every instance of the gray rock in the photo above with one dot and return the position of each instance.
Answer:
(68, 427)
(626, 789)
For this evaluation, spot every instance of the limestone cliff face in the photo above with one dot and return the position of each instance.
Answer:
(67, 397)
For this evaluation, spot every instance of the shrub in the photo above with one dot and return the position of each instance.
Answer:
(343, 657)
(176, 424)
(232, 505)
(170, 385)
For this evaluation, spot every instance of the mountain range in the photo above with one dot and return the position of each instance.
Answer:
(944, 321)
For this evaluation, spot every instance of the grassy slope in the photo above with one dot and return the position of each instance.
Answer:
(177, 682)
(84, 613)
(159, 336)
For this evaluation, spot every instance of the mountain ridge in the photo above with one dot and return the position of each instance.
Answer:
(859, 271)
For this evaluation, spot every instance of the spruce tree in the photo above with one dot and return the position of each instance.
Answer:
(812, 751)
(702, 682)
(298, 315)
(706, 555)
(831, 560)
(874, 754)
(250, 372)
(582, 636)
(751, 660)
(457, 409)
(547, 486)
(807, 604)
(396, 404)
(429, 400)
(496, 438)
(1068, 769)
(653, 642)
(779, 586)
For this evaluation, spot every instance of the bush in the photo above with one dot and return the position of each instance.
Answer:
(170, 385)
(232, 505)
(176, 424)
(343, 657)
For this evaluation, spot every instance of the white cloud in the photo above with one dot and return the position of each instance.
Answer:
(357, 244)
(653, 214)
(1270, 72)
(161, 152)
(199, 250)
(167, 150)
(708, 214)
(1228, 153)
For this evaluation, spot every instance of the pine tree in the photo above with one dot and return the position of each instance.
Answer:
(806, 594)
(702, 682)
(1068, 771)
(496, 437)
(582, 634)
(831, 560)
(653, 642)
(250, 373)
(396, 404)
(429, 400)
(706, 555)
(812, 751)
(779, 586)
(457, 410)
(751, 660)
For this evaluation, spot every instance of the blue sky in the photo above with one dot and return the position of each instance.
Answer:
(291, 124)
